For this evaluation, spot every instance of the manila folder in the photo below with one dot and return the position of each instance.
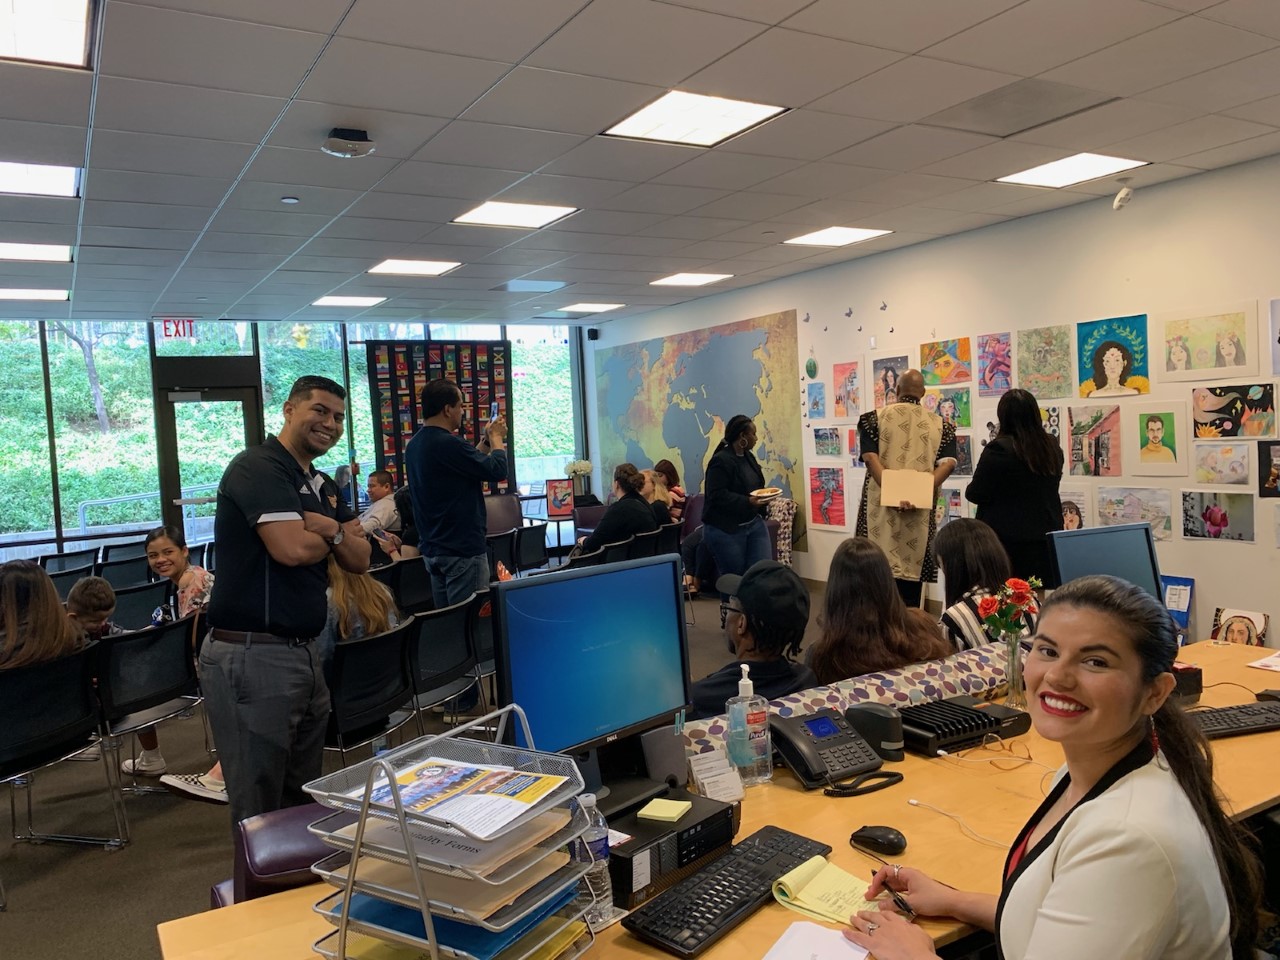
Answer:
(913, 486)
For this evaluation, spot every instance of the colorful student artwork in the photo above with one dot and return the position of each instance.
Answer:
(1237, 410)
(1275, 336)
(1156, 434)
(885, 373)
(818, 401)
(1095, 441)
(1269, 470)
(844, 378)
(947, 508)
(1213, 345)
(1222, 463)
(1051, 417)
(964, 456)
(950, 403)
(987, 424)
(1077, 508)
(946, 361)
(1217, 516)
(855, 449)
(560, 498)
(995, 364)
(1113, 355)
(1044, 361)
(826, 497)
(826, 441)
(1153, 505)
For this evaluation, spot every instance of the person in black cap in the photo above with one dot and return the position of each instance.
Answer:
(765, 617)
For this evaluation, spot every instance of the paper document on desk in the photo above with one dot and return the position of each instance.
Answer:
(808, 941)
(823, 891)
(913, 486)
(1267, 663)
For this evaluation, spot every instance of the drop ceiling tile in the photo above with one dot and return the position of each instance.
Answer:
(248, 243)
(613, 159)
(929, 219)
(285, 165)
(111, 213)
(762, 11)
(318, 15)
(910, 147)
(641, 41)
(1041, 34)
(147, 106)
(460, 242)
(1048, 200)
(769, 246)
(448, 180)
(16, 231)
(503, 30)
(1259, 16)
(41, 276)
(1186, 6)
(694, 228)
(329, 247)
(912, 88)
(260, 195)
(551, 100)
(907, 27)
(562, 191)
(154, 187)
(1141, 177)
(1260, 111)
(995, 160)
(985, 197)
(278, 223)
(464, 141)
(559, 240)
(727, 171)
(49, 94)
(750, 206)
(1160, 56)
(765, 69)
(1183, 139)
(364, 228)
(22, 141)
(823, 180)
(643, 246)
(143, 256)
(1117, 120)
(1224, 87)
(174, 46)
(613, 222)
(835, 213)
(1232, 153)
(516, 256)
(363, 74)
(719, 250)
(306, 124)
(303, 265)
(137, 237)
(402, 206)
(662, 198)
(155, 153)
(805, 135)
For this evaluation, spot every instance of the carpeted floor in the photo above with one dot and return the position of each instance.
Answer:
(81, 902)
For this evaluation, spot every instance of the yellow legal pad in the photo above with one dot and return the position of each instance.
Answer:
(823, 891)
(668, 811)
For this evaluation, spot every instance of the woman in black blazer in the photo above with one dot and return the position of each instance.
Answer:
(628, 515)
(732, 519)
(1015, 485)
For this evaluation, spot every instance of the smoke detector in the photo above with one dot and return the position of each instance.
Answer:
(346, 142)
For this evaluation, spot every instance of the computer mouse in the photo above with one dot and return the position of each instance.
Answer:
(882, 840)
(1268, 695)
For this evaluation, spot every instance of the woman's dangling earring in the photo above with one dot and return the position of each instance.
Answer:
(1155, 736)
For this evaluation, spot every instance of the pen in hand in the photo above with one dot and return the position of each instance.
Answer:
(898, 899)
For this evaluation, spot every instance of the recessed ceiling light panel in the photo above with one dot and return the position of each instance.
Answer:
(415, 268)
(1069, 171)
(348, 301)
(42, 252)
(18, 294)
(691, 118)
(591, 307)
(690, 279)
(38, 179)
(45, 31)
(837, 237)
(497, 213)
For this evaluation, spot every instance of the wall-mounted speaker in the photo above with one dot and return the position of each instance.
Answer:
(593, 333)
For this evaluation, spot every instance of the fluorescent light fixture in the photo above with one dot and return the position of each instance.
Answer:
(496, 213)
(38, 179)
(837, 237)
(44, 252)
(530, 286)
(679, 117)
(48, 31)
(690, 279)
(591, 307)
(415, 268)
(348, 301)
(14, 294)
(1072, 170)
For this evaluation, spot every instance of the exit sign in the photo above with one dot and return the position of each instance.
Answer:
(179, 327)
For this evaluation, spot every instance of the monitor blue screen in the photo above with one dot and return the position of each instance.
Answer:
(593, 653)
(1125, 551)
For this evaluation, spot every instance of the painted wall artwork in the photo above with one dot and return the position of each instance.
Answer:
(1275, 336)
(885, 372)
(964, 456)
(818, 401)
(1051, 417)
(826, 441)
(1044, 362)
(1094, 448)
(1153, 505)
(847, 401)
(1235, 410)
(1217, 516)
(1212, 344)
(1077, 508)
(560, 498)
(1156, 434)
(995, 364)
(1113, 357)
(948, 507)
(1269, 470)
(826, 497)
(946, 361)
(1222, 463)
(986, 424)
(951, 404)
(855, 449)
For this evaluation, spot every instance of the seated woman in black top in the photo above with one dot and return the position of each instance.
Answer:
(628, 515)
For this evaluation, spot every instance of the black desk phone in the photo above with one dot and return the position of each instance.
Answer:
(822, 748)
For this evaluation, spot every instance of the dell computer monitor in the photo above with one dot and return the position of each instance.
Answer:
(1127, 551)
(595, 654)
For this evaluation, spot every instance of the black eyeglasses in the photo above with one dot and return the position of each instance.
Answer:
(727, 607)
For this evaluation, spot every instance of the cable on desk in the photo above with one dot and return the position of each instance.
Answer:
(967, 830)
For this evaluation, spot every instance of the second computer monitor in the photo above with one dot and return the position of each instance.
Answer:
(1127, 551)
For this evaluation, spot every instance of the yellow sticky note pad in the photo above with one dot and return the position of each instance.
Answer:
(668, 811)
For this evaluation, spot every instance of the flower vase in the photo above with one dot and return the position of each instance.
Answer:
(1017, 693)
(580, 485)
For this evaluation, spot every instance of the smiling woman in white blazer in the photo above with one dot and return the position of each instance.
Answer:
(1130, 855)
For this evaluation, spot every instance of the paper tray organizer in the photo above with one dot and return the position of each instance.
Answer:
(353, 938)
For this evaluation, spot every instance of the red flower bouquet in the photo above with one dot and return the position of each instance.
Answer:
(1003, 613)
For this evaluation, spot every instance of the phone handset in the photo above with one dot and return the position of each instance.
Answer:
(822, 748)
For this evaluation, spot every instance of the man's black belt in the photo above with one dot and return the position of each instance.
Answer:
(251, 636)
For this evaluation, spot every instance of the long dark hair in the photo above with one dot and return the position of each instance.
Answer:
(668, 470)
(971, 556)
(733, 430)
(33, 626)
(865, 625)
(1154, 637)
(1100, 372)
(1019, 416)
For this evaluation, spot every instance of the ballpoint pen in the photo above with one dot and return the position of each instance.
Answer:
(898, 898)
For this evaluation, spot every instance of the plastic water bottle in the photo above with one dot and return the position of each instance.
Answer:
(593, 847)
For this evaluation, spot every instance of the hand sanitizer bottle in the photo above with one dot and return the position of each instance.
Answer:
(750, 748)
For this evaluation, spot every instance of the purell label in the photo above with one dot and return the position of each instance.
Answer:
(758, 717)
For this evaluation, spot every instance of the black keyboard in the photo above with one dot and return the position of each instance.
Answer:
(702, 908)
(1217, 722)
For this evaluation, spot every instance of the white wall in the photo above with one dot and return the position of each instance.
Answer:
(1204, 241)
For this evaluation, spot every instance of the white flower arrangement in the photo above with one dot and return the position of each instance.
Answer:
(578, 468)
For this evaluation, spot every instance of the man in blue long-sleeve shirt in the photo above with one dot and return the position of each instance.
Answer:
(446, 483)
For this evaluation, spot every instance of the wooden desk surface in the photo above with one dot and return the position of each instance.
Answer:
(993, 803)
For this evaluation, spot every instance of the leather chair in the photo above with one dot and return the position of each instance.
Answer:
(273, 852)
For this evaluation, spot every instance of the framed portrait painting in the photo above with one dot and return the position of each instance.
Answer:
(1157, 438)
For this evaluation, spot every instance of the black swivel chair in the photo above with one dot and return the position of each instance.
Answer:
(369, 686)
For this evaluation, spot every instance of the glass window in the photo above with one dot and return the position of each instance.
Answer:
(542, 402)
(203, 338)
(26, 509)
(465, 331)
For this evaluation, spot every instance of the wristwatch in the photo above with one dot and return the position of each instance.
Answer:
(337, 537)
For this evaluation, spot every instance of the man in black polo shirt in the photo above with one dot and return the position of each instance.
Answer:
(446, 484)
(277, 522)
